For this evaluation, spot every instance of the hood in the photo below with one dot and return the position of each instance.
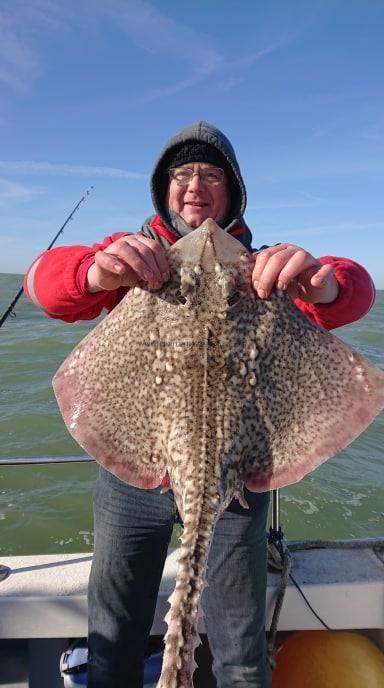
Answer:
(206, 133)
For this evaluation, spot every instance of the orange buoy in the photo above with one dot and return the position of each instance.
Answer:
(328, 659)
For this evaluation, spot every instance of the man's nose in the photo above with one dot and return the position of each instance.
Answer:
(195, 181)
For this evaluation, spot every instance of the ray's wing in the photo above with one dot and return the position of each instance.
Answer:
(107, 392)
(308, 395)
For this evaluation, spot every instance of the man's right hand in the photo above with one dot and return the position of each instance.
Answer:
(127, 261)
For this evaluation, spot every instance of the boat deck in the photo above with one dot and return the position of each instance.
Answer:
(43, 603)
(344, 586)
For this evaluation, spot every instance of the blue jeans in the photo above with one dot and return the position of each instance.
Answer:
(132, 532)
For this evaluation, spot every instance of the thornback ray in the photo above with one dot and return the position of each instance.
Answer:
(208, 385)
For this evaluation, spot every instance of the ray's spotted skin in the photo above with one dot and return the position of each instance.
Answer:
(208, 385)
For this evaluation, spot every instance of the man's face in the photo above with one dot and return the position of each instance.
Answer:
(196, 201)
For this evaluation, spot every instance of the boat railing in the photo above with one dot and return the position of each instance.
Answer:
(38, 460)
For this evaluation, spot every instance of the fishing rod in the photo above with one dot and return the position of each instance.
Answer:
(13, 303)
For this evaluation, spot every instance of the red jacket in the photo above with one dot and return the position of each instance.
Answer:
(56, 280)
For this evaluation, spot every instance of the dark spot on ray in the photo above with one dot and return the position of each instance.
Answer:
(181, 299)
(234, 299)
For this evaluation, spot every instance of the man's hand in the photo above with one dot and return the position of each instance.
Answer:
(293, 269)
(126, 262)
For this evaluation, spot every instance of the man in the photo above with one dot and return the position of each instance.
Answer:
(195, 177)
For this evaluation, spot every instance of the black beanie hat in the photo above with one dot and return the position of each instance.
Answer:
(196, 151)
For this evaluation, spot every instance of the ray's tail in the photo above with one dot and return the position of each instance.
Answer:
(181, 639)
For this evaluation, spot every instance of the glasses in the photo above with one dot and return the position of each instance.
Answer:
(184, 175)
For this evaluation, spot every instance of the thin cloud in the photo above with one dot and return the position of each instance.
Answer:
(32, 167)
(20, 64)
(360, 126)
(147, 27)
(319, 167)
(373, 132)
(253, 57)
(10, 191)
(336, 228)
(240, 64)
(159, 34)
(163, 92)
(22, 61)
(305, 200)
(332, 126)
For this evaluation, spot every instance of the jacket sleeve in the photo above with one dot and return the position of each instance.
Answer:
(355, 298)
(55, 282)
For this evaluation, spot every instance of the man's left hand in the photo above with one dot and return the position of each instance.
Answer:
(292, 269)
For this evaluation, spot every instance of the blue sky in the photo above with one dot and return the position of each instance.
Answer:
(91, 90)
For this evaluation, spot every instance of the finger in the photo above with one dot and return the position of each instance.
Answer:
(109, 262)
(322, 276)
(146, 266)
(150, 261)
(112, 272)
(138, 257)
(271, 269)
(262, 257)
(298, 263)
(159, 255)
